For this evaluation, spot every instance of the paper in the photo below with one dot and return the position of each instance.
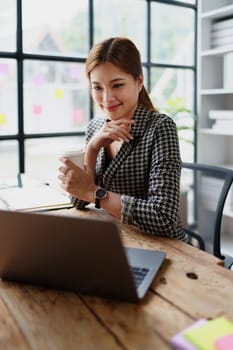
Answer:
(204, 337)
(30, 199)
(179, 342)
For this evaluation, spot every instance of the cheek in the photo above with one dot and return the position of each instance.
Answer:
(96, 96)
(133, 95)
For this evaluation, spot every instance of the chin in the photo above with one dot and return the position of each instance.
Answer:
(112, 116)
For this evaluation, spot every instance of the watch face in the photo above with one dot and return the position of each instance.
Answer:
(100, 193)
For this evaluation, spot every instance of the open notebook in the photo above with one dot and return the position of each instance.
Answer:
(33, 198)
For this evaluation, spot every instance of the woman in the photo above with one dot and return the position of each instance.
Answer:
(132, 156)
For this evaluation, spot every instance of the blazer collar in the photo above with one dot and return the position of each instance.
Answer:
(141, 117)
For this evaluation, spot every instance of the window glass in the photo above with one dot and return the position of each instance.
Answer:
(121, 18)
(56, 96)
(172, 92)
(172, 36)
(55, 27)
(7, 25)
(8, 159)
(8, 97)
(42, 155)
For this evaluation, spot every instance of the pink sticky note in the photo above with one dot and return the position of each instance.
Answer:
(224, 343)
(179, 342)
(37, 109)
(78, 115)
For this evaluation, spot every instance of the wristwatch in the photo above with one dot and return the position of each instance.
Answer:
(99, 194)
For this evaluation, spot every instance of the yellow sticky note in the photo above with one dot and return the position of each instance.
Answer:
(2, 119)
(203, 337)
(59, 93)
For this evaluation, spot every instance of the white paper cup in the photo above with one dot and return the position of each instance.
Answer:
(75, 155)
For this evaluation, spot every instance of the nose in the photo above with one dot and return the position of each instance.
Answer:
(108, 95)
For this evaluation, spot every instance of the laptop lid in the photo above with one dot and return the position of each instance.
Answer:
(79, 254)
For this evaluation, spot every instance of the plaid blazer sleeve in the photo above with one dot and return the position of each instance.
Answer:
(157, 213)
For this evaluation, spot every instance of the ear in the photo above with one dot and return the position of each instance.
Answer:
(140, 81)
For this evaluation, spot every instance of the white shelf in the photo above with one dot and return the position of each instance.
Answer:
(217, 51)
(218, 13)
(214, 145)
(210, 131)
(220, 91)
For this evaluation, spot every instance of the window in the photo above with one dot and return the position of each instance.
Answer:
(44, 94)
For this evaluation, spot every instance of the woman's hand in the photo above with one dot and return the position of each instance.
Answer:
(114, 130)
(79, 183)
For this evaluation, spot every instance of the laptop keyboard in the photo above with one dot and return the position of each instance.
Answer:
(139, 274)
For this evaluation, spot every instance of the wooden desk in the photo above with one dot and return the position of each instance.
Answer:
(190, 285)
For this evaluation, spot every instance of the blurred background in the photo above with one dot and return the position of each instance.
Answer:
(44, 95)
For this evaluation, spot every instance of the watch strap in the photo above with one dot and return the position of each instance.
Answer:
(97, 203)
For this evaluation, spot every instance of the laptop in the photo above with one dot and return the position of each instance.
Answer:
(83, 255)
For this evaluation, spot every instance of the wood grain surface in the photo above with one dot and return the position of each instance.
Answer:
(191, 284)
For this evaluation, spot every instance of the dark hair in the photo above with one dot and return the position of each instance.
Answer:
(122, 53)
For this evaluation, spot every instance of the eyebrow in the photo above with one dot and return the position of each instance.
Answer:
(111, 81)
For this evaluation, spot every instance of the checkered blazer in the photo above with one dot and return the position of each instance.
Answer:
(146, 172)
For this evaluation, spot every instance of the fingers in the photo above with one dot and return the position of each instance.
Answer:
(119, 130)
(68, 173)
(124, 124)
(67, 178)
(63, 170)
(121, 121)
(118, 133)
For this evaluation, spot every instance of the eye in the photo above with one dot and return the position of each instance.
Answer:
(96, 87)
(118, 85)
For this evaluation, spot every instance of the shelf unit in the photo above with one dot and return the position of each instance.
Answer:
(214, 146)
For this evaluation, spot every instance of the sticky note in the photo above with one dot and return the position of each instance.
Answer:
(224, 343)
(59, 93)
(3, 119)
(4, 69)
(38, 79)
(37, 109)
(204, 337)
(78, 115)
(179, 342)
(74, 71)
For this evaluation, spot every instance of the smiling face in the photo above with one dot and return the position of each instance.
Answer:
(114, 91)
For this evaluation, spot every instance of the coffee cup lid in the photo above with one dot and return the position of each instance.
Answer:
(72, 152)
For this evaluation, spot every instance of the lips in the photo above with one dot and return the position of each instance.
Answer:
(112, 108)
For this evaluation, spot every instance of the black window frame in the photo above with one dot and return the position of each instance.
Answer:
(20, 56)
